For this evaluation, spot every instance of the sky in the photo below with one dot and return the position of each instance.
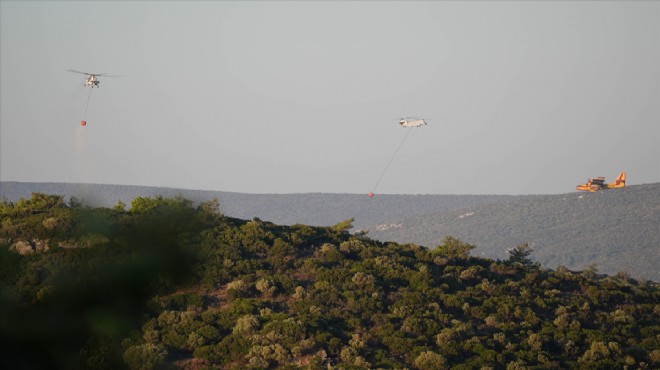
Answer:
(305, 97)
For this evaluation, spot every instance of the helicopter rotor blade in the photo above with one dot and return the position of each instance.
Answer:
(82, 73)
(93, 74)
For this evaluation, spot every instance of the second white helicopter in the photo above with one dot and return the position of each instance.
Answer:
(412, 122)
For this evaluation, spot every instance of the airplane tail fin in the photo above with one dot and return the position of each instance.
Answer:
(620, 181)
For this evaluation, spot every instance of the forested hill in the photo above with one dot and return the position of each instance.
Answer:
(316, 209)
(164, 284)
(616, 230)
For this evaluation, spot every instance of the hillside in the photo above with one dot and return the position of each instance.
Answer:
(167, 285)
(315, 209)
(615, 230)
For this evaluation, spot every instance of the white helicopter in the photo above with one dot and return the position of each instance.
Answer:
(412, 122)
(92, 79)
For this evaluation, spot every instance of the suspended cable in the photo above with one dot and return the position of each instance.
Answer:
(84, 120)
(87, 104)
(371, 194)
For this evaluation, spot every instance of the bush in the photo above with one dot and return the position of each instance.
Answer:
(145, 356)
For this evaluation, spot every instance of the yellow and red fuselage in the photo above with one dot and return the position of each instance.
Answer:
(599, 183)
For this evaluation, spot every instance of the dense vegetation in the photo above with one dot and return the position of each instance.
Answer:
(166, 284)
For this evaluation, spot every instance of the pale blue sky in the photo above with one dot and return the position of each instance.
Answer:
(299, 97)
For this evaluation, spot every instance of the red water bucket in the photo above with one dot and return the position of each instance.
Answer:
(83, 123)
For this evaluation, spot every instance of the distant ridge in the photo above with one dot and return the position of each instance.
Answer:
(315, 209)
(616, 230)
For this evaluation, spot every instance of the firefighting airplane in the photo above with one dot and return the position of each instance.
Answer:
(599, 183)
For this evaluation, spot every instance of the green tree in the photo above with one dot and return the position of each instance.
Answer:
(430, 360)
(520, 254)
(211, 206)
(344, 226)
(41, 202)
(247, 324)
(120, 206)
(74, 202)
(145, 204)
(454, 248)
(145, 356)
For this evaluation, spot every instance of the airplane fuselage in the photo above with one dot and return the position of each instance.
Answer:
(593, 185)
